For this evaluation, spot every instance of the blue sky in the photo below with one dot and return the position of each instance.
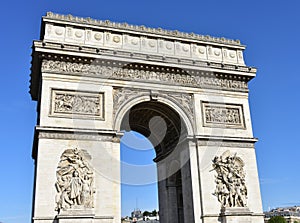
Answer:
(271, 31)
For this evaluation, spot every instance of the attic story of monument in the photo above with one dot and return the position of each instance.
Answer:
(95, 79)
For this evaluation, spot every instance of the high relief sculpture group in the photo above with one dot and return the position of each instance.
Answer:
(74, 181)
(93, 80)
(230, 179)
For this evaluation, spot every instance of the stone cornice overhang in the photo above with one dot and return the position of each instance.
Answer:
(83, 54)
(106, 25)
(47, 132)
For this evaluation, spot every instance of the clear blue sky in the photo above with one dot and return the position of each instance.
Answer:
(271, 31)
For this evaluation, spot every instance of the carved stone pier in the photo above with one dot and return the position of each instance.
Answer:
(94, 79)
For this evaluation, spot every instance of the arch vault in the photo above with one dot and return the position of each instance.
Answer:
(187, 93)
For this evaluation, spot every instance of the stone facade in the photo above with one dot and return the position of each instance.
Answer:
(92, 79)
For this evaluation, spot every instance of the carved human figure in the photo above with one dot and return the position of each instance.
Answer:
(239, 198)
(75, 188)
(87, 193)
(74, 181)
(231, 190)
(224, 193)
(63, 196)
(218, 191)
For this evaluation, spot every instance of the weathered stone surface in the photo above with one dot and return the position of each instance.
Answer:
(93, 79)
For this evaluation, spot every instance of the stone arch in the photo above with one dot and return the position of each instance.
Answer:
(128, 104)
(167, 133)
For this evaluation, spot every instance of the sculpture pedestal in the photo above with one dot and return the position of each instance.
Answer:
(76, 216)
(236, 215)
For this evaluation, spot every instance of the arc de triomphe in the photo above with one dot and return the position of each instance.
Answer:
(187, 93)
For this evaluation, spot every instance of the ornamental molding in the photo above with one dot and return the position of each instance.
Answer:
(75, 181)
(231, 189)
(143, 29)
(77, 104)
(153, 74)
(76, 136)
(223, 115)
(220, 143)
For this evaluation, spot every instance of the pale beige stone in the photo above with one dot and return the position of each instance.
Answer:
(198, 83)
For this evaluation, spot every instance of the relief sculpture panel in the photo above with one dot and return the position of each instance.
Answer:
(231, 189)
(223, 115)
(75, 181)
(77, 104)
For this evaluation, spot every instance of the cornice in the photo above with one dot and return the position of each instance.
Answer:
(224, 141)
(65, 49)
(50, 16)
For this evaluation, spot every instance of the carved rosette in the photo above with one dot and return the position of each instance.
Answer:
(231, 189)
(75, 181)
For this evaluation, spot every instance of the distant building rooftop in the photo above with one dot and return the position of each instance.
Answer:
(291, 214)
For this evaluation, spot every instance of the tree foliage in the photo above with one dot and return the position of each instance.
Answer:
(277, 219)
(146, 213)
(154, 212)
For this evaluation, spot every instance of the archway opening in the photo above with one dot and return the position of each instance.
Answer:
(138, 175)
(163, 127)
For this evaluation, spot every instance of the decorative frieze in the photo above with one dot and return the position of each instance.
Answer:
(77, 104)
(222, 143)
(140, 73)
(231, 189)
(75, 136)
(75, 181)
(222, 115)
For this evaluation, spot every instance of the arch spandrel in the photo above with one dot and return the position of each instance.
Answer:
(169, 100)
(197, 81)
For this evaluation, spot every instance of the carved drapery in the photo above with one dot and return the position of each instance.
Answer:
(231, 189)
(75, 181)
(160, 75)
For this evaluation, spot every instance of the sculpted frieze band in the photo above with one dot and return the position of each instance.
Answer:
(162, 75)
